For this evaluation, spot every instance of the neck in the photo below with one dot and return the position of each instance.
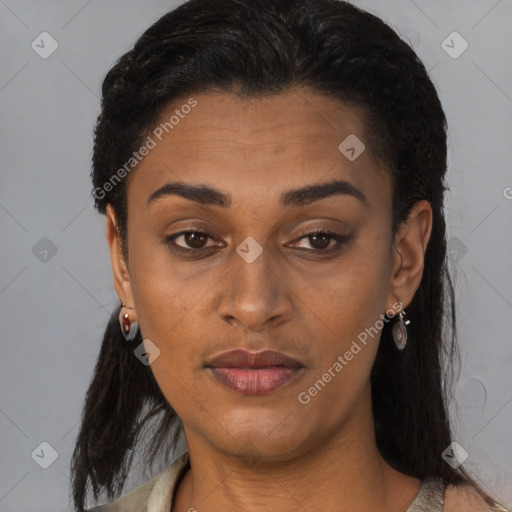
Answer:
(343, 473)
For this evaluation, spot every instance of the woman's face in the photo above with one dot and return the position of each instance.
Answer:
(255, 280)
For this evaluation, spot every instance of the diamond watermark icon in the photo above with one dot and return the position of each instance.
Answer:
(249, 249)
(44, 250)
(454, 455)
(44, 455)
(454, 45)
(147, 352)
(456, 249)
(44, 45)
(351, 147)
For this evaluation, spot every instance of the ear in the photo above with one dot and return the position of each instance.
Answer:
(409, 248)
(120, 272)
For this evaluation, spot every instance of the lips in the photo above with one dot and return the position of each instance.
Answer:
(240, 358)
(254, 373)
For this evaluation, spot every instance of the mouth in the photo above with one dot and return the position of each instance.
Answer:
(254, 373)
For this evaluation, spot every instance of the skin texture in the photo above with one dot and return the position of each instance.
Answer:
(255, 453)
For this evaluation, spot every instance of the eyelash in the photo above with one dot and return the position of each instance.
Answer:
(339, 239)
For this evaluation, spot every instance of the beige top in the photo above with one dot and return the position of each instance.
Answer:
(156, 495)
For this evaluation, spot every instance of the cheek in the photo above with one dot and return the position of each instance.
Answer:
(352, 293)
(354, 302)
(162, 298)
(171, 317)
(349, 306)
(170, 314)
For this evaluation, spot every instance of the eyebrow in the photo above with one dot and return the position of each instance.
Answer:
(207, 195)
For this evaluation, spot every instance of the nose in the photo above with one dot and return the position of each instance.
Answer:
(255, 295)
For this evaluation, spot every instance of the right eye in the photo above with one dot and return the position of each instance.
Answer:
(193, 240)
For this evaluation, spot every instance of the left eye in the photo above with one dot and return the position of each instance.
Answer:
(321, 241)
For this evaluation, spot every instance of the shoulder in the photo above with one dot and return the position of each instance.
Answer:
(134, 501)
(464, 497)
(154, 491)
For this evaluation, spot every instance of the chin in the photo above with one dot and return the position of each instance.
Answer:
(258, 433)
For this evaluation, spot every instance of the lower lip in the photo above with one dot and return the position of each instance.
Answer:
(255, 382)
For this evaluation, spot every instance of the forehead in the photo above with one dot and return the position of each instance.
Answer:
(258, 147)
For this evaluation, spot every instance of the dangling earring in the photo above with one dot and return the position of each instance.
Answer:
(399, 329)
(129, 330)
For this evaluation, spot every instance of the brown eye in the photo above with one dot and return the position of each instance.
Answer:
(195, 239)
(189, 240)
(320, 241)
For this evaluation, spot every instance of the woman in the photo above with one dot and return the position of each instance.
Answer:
(272, 175)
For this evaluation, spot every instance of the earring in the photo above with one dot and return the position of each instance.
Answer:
(399, 329)
(129, 330)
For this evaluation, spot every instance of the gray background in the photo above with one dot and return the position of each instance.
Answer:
(54, 307)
